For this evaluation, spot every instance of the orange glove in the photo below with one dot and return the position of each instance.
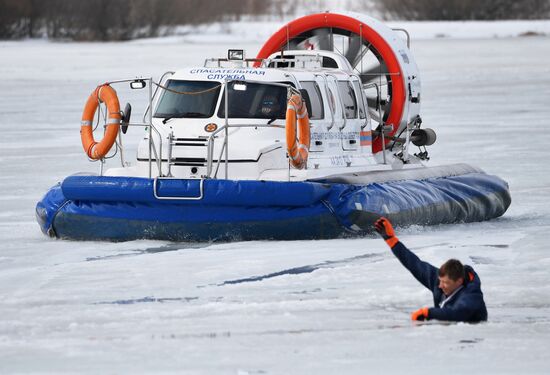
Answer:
(384, 228)
(420, 314)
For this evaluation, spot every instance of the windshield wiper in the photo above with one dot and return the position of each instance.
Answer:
(271, 121)
(184, 114)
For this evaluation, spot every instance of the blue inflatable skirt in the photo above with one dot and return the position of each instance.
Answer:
(127, 208)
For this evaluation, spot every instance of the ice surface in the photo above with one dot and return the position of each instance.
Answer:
(154, 307)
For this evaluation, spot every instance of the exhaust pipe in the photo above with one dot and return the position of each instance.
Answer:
(423, 137)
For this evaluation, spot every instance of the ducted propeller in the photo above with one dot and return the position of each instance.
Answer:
(363, 58)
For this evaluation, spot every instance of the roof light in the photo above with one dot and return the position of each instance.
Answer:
(239, 86)
(235, 54)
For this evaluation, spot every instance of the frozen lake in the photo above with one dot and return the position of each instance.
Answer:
(340, 306)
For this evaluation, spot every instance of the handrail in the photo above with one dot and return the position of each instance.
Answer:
(158, 159)
(324, 77)
(355, 79)
(155, 191)
(406, 34)
(170, 146)
(211, 140)
(154, 128)
(219, 160)
(227, 125)
(340, 99)
(226, 138)
(219, 60)
(158, 153)
(380, 119)
(149, 124)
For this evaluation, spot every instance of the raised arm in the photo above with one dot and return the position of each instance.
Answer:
(424, 272)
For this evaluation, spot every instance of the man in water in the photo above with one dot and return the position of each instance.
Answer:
(456, 288)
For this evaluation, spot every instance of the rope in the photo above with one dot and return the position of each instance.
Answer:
(187, 92)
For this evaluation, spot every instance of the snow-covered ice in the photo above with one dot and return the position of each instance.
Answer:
(304, 307)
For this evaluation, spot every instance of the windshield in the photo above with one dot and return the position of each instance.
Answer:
(191, 99)
(255, 100)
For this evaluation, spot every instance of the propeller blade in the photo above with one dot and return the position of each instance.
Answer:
(374, 73)
(353, 49)
(295, 44)
(374, 115)
(360, 56)
(378, 107)
(373, 103)
(323, 37)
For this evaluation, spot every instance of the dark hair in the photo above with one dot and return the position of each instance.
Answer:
(453, 269)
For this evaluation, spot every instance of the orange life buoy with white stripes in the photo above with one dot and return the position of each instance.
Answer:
(102, 94)
(297, 132)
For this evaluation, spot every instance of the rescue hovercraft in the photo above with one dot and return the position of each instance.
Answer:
(314, 138)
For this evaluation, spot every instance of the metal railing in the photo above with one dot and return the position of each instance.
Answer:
(212, 168)
(210, 147)
(155, 154)
(225, 128)
(147, 123)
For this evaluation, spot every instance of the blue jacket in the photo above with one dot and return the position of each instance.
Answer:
(466, 305)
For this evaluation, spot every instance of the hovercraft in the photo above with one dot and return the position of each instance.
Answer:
(312, 139)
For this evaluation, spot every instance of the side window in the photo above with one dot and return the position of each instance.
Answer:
(348, 97)
(315, 98)
(361, 99)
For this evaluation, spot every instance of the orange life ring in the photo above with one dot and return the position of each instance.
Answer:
(102, 94)
(297, 135)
